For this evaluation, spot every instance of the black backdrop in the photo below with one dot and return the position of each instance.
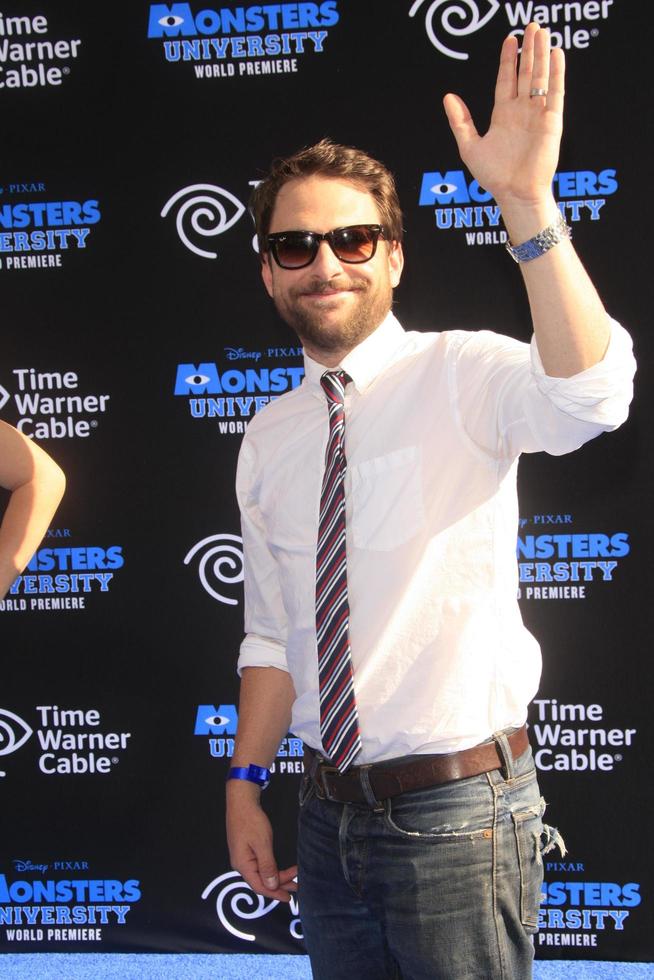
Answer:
(119, 642)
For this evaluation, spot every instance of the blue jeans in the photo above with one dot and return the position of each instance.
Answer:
(440, 883)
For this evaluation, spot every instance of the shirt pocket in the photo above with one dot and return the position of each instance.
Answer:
(387, 504)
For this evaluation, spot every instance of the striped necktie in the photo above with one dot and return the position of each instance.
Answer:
(339, 723)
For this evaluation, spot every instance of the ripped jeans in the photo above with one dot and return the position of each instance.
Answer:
(440, 883)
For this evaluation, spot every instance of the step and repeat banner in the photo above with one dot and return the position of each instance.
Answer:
(138, 343)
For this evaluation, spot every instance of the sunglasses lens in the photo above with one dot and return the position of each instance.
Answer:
(355, 244)
(295, 250)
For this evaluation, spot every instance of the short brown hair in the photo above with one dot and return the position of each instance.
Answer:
(328, 159)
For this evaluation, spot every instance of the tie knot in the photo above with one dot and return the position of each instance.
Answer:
(333, 384)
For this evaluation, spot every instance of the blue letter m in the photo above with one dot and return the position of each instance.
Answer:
(171, 21)
(448, 189)
(216, 721)
(192, 380)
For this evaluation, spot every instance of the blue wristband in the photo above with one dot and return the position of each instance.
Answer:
(253, 774)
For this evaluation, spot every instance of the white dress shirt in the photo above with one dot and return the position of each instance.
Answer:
(434, 424)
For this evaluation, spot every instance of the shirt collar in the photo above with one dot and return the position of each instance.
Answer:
(365, 361)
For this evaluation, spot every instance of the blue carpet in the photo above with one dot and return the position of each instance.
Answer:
(159, 966)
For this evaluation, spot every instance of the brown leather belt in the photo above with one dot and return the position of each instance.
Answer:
(385, 779)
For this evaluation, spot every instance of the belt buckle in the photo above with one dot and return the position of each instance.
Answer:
(323, 788)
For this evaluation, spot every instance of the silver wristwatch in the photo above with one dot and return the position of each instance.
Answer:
(542, 242)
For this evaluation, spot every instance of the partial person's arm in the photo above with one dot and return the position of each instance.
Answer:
(264, 717)
(516, 161)
(37, 485)
(266, 698)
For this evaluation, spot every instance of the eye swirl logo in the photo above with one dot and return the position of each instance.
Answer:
(222, 563)
(243, 903)
(14, 732)
(204, 213)
(447, 13)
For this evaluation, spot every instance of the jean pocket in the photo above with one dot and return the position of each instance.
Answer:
(437, 816)
(528, 829)
(387, 499)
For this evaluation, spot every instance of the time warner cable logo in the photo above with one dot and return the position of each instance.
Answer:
(71, 740)
(201, 211)
(571, 25)
(32, 59)
(220, 563)
(50, 404)
(14, 732)
(234, 899)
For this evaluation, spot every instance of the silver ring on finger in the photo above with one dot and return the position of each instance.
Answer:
(537, 91)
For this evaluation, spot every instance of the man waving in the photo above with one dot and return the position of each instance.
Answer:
(379, 515)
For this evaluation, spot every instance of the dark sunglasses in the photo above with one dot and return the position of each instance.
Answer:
(297, 249)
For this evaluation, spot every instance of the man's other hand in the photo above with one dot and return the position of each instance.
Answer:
(250, 841)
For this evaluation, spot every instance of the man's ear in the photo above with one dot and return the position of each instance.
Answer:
(266, 273)
(395, 263)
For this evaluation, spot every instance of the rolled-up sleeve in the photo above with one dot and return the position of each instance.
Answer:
(265, 619)
(509, 405)
(261, 651)
(602, 393)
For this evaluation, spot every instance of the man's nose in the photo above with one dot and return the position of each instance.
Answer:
(326, 264)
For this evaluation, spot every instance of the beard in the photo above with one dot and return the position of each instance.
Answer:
(319, 330)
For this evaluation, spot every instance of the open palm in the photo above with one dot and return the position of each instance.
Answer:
(516, 159)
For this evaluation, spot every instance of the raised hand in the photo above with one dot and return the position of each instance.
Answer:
(515, 162)
(516, 159)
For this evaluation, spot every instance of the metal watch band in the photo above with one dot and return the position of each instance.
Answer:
(252, 773)
(542, 242)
